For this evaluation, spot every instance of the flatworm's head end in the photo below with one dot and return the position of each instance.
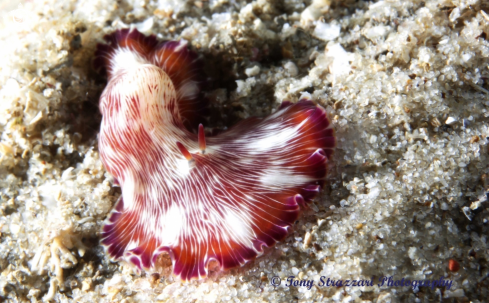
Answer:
(121, 39)
(127, 48)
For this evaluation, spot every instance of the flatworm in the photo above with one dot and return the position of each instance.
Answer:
(198, 198)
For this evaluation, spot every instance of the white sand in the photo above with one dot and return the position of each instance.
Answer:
(405, 83)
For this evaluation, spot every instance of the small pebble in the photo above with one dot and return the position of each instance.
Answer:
(474, 139)
(307, 240)
(252, 71)
(450, 121)
(291, 68)
(453, 265)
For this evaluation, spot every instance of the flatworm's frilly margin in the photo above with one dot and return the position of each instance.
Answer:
(219, 198)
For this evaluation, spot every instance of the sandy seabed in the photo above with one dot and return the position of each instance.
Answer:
(405, 84)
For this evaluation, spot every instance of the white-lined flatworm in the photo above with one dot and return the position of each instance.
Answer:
(198, 198)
